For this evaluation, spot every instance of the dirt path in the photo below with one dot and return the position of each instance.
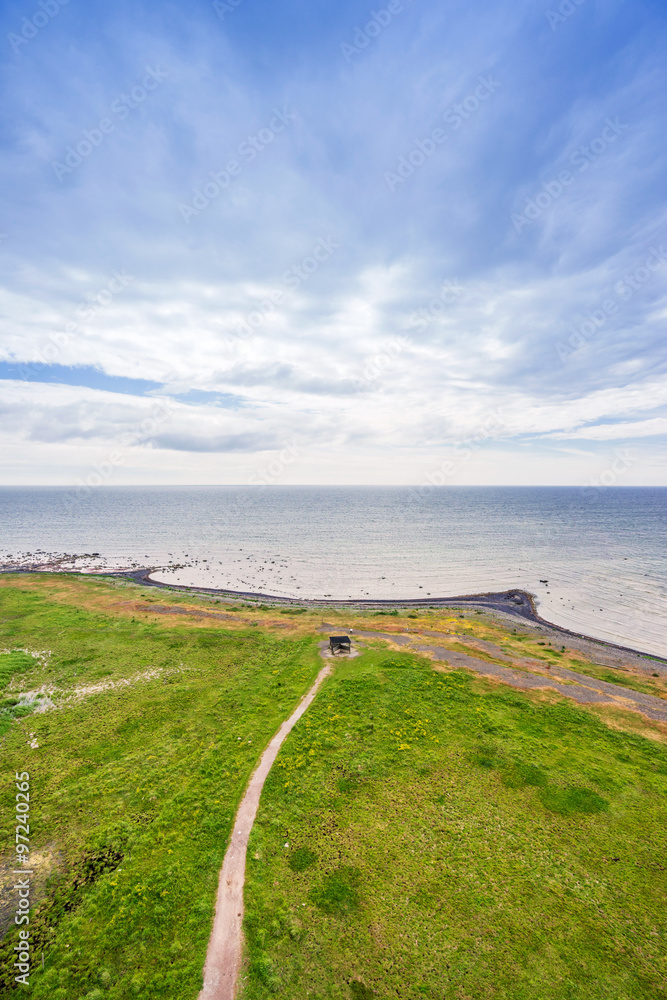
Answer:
(225, 948)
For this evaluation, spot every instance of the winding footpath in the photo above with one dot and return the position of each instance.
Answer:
(225, 948)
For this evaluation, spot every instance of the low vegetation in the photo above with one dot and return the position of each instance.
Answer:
(133, 785)
(423, 833)
(13, 664)
(429, 835)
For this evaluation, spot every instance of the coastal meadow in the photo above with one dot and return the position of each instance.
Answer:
(425, 831)
(136, 773)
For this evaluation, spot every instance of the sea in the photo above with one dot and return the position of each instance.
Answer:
(595, 559)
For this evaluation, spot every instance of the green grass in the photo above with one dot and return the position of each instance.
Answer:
(13, 664)
(519, 645)
(422, 833)
(450, 839)
(632, 681)
(133, 790)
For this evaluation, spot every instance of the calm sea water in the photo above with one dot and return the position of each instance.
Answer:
(603, 552)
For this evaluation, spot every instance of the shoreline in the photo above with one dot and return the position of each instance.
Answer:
(515, 603)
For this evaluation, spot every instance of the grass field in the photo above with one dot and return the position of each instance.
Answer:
(133, 788)
(429, 835)
(424, 833)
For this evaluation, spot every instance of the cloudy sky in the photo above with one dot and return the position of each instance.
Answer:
(318, 242)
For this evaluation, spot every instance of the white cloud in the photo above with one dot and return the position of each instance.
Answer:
(324, 363)
(620, 431)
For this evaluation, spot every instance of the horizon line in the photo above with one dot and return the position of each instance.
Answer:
(254, 486)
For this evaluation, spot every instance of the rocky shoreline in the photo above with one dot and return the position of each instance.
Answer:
(517, 605)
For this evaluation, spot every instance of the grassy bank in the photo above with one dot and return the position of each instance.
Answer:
(135, 779)
(423, 833)
(429, 835)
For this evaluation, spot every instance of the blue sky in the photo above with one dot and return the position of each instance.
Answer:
(308, 243)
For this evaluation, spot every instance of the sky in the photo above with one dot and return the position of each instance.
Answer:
(312, 242)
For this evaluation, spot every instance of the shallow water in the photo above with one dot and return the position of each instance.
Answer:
(603, 552)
